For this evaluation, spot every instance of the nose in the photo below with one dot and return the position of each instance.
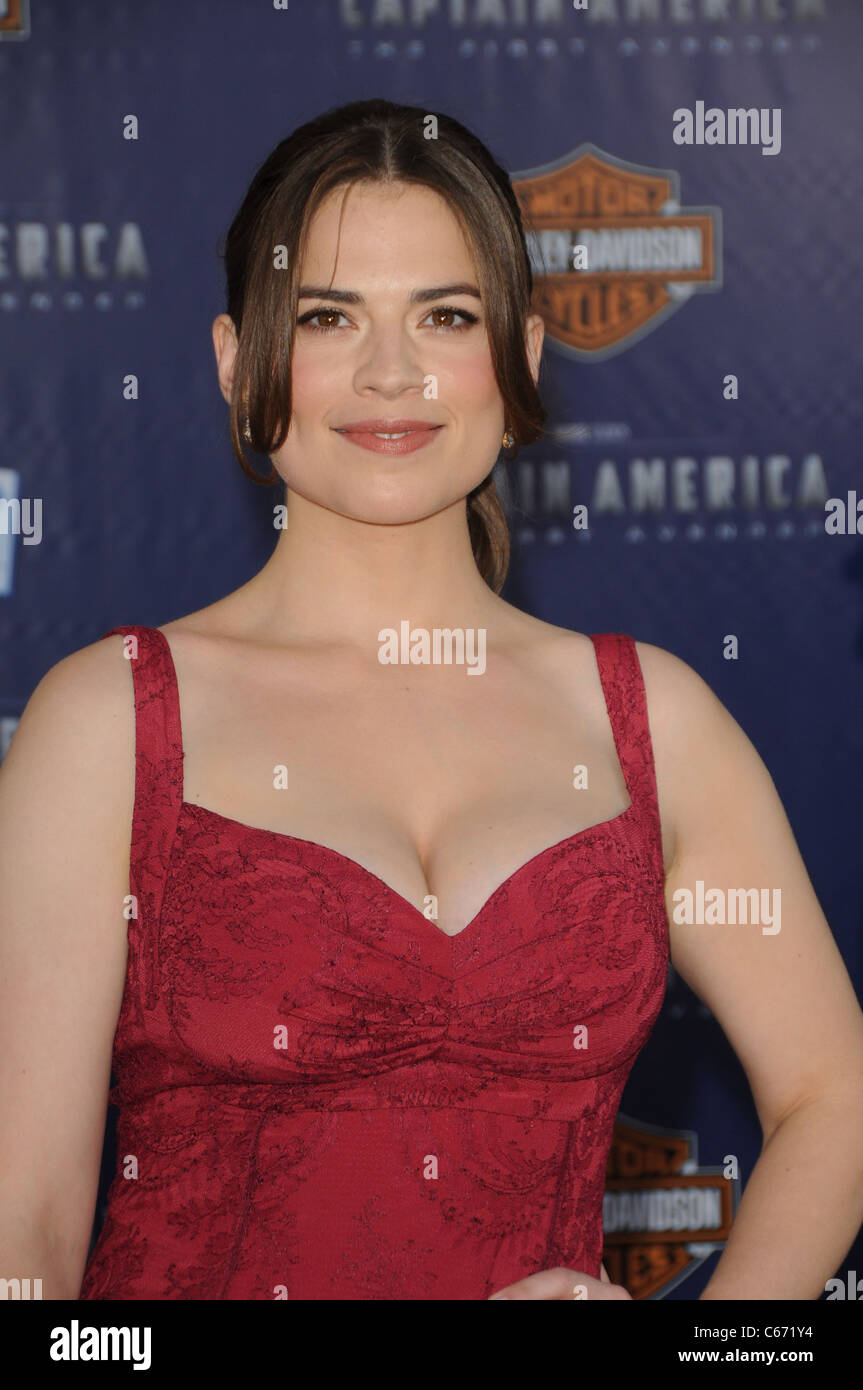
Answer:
(388, 361)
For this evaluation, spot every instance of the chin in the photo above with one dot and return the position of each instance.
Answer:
(395, 515)
(399, 508)
(380, 501)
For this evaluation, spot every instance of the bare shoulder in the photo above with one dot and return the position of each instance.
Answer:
(698, 746)
(79, 723)
(683, 711)
(674, 688)
(688, 721)
(707, 768)
(92, 681)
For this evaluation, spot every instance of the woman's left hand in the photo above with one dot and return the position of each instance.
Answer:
(551, 1284)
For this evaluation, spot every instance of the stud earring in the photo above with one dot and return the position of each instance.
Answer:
(508, 440)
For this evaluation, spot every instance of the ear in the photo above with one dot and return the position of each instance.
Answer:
(534, 338)
(225, 347)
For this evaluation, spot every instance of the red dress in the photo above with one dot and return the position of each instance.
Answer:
(323, 1096)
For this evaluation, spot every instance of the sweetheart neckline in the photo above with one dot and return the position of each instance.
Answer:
(393, 892)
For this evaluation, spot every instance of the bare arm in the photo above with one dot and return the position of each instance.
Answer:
(66, 796)
(783, 998)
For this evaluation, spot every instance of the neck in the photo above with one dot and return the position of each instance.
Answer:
(331, 578)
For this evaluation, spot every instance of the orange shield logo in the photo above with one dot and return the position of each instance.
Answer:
(662, 1214)
(14, 19)
(613, 252)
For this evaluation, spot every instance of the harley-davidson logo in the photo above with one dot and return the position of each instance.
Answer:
(613, 252)
(662, 1214)
(14, 19)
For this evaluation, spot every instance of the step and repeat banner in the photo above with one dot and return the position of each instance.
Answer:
(690, 175)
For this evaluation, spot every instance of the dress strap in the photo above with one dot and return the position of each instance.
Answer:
(158, 790)
(626, 701)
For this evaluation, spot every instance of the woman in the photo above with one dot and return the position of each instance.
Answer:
(395, 935)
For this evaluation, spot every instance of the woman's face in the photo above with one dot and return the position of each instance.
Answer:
(388, 357)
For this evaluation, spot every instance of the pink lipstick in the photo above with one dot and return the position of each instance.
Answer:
(392, 437)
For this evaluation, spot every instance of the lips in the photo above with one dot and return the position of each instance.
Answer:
(386, 426)
(415, 434)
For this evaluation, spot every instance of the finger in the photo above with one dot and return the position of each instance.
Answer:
(605, 1278)
(548, 1284)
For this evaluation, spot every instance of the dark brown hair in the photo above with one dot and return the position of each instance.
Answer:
(376, 142)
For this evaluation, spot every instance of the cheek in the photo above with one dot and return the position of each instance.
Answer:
(474, 384)
(311, 381)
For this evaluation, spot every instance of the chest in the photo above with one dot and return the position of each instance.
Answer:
(441, 788)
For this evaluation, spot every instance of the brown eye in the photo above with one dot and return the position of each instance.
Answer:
(309, 319)
(448, 311)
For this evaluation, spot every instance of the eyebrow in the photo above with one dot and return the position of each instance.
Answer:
(417, 296)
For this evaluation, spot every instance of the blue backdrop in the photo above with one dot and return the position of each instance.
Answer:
(702, 375)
